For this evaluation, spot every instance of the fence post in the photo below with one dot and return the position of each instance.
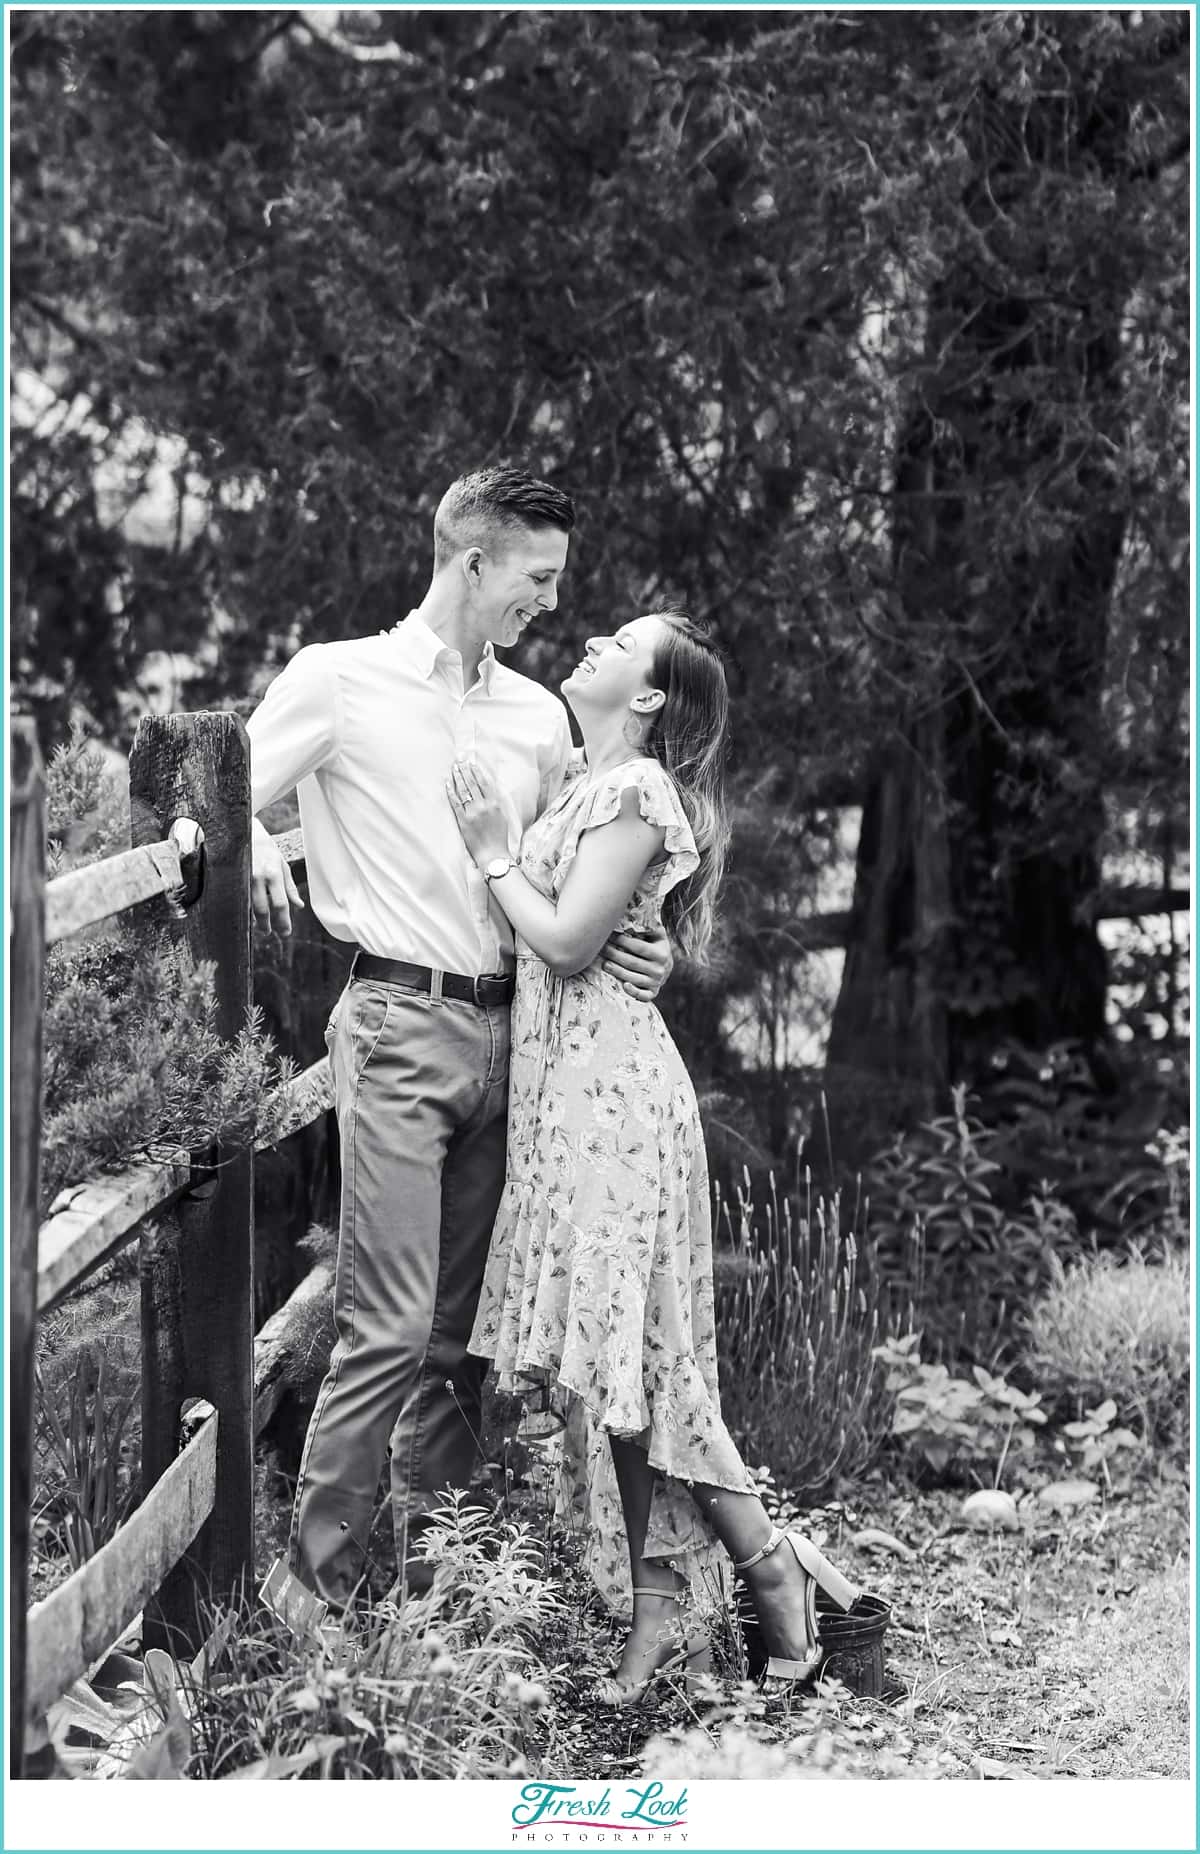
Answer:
(27, 958)
(198, 766)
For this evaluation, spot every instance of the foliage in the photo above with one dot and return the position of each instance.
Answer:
(87, 806)
(797, 1318)
(949, 1420)
(1118, 1329)
(273, 286)
(441, 1686)
(1079, 1122)
(1022, 525)
(979, 1255)
(132, 1057)
(1093, 1442)
(88, 1482)
(87, 1419)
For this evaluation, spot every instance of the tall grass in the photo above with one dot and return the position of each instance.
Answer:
(1119, 1328)
(799, 1309)
(89, 1481)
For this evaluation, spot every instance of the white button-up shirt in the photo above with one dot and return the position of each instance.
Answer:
(366, 731)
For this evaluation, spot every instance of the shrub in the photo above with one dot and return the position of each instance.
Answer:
(1119, 1329)
(978, 1258)
(796, 1323)
(132, 1056)
(1079, 1119)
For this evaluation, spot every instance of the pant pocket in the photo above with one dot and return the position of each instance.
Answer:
(371, 1010)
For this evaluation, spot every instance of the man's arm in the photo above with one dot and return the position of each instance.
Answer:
(294, 730)
(641, 962)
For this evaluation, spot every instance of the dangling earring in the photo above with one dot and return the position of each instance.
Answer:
(633, 733)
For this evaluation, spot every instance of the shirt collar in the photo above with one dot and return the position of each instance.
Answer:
(425, 649)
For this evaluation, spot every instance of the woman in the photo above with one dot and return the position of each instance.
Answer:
(599, 1278)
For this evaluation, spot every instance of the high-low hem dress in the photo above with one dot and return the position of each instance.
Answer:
(599, 1278)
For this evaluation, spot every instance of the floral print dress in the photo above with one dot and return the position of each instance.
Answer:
(599, 1277)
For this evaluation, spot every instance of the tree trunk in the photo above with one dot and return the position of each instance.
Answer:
(978, 864)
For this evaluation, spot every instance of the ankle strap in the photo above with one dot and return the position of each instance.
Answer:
(748, 1564)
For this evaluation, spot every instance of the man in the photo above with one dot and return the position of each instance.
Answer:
(367, 731)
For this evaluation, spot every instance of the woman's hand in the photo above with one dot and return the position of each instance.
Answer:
(475, 797)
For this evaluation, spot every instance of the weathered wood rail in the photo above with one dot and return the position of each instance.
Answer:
(193, 1530)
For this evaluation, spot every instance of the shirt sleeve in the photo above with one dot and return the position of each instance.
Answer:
(296, 728)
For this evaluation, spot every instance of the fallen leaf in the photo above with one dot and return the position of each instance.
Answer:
(1005, 1637)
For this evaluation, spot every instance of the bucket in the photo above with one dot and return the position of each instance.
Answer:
(852, 1639)
(853, 1642)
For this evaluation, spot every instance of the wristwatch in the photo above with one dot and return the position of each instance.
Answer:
(499, 866)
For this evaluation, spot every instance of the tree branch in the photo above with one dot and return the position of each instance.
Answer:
(83, 337)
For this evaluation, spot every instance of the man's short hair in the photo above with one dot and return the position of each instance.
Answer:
(489, 507)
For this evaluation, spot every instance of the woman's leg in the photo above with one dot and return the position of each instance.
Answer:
(653, 1635)
(777, 1582)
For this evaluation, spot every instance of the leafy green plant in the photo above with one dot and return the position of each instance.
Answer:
(1093, 1442)
(1060, 1119)
(1117, 1328)
(797, 1320)
(953, 1421)
(90, 1485)
(945, 1181)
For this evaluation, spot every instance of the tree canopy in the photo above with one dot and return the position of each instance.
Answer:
(863, 334)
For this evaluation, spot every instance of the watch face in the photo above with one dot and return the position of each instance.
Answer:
(500, 865)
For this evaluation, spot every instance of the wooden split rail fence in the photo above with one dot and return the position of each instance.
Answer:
(207, 1385)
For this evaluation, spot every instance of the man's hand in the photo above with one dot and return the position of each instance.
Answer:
(273, 894)
(642, 962)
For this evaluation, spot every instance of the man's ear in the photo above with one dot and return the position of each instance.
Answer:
(649, 701)
(472, 566)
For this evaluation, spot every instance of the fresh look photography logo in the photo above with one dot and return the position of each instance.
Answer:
(587, 1813)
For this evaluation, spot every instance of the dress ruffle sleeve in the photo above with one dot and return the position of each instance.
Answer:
(658, 802)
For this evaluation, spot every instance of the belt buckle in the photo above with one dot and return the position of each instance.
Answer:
(476, 999)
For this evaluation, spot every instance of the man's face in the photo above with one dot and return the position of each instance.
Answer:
(518, 584)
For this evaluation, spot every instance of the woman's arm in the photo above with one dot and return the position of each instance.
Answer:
(608, 865)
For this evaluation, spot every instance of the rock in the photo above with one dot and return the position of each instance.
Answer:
(989, 1510)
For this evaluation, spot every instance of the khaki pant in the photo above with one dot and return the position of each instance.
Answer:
(421, 1088)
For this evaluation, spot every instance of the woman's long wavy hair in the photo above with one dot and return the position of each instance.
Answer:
(688, 738)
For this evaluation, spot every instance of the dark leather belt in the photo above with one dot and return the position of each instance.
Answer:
(491, 988)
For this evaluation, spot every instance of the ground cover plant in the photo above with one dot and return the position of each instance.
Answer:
(1044, 1635)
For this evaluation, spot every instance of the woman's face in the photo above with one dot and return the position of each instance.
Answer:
(616, 670)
